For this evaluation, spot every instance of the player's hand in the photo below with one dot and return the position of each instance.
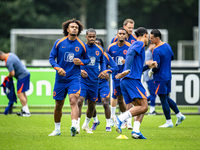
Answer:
(76, 61)
(84, 74)
(152, 64)
(123, 74)
(102, 75)
(61, 72)
(150, 73)
(123, 61)
(107, 77)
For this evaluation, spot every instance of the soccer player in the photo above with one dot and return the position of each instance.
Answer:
(163, 54)
(70, 52)
(103, 90)
(128, 25)
(89, 78)
(150, 82)
(118, 51)
(131, 86)
(18, 70)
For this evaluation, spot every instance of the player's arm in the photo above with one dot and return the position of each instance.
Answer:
(85, 59)
(53, 55)
(103, 72)
(156, 57)
(11, 74)
(10, 69)
(111, 63)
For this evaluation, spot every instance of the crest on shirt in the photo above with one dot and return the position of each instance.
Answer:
(97, 53)
(77, 49)
(132, 41)
(68, 57)
(124, 52)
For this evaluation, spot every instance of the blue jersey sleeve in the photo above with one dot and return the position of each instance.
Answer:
(53, 55)
(86, 58)
(102, 62)
(111, 63)
(129, 58)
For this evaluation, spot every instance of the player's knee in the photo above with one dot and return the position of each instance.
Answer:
(105, 104)
(145, 108)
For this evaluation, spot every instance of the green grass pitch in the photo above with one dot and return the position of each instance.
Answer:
(21, 133)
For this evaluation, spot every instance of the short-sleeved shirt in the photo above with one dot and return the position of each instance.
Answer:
(13, 63)
(163, 55)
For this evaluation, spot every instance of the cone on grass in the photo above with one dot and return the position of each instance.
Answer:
(122, 137)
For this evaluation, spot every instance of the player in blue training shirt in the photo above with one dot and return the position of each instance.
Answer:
(89, 78)
(18, 70)
(118, 51)
(128, 25)
(163, 54)
(70, 52)
(150, 81)
(131, 86)
(104, 90)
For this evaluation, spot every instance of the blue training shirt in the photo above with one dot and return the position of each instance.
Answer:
(109, 62)
(163, 54)
(132, 38)
(138, 61)
(118, 54)
(64, 51)
(97, 59)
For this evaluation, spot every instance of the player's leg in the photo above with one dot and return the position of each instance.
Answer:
(96, 120)
(129, 120)
(89, 114)
(113, 106)
(57, 117)
(173, 106)
(73, 99)
(80, 104)
(105, 102)
(166, 110)
(152, 97)
(22, 87)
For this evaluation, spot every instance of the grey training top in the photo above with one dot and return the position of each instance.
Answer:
(14, 63)
(148, 56)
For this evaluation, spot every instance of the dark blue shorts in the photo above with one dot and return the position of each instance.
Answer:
(163, 87)
(116, 89)
(89, 92)
(23, 84)
(132, 88)
(62, 89)
(103, 91)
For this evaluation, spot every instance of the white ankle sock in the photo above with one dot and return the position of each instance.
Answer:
(25, 108)
(129, 121)
(136, 126)
(74, 122)
(87, 121)
(113, 109)
(95, 119)
(125, 116)
(107, 122)
(169, 121)
(57, 126)
(178, 115)
(152, 109)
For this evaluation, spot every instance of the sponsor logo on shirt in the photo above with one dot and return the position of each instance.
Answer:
(68, 57)
(92, 61)
(118, 60)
